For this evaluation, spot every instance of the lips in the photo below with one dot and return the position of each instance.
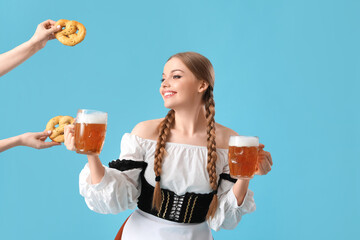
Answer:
(168, 94)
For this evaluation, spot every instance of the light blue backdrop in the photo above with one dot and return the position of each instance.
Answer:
(287, 71)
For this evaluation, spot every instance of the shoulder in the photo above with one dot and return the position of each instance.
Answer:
(222, 135)
(147, 129)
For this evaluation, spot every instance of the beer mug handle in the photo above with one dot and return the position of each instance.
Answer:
(257, 161)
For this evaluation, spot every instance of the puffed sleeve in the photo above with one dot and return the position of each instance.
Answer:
(119, 189)
(229, 214)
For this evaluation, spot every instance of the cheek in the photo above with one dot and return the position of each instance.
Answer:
(190, 90)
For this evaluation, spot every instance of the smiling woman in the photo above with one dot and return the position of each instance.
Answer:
(174, 169)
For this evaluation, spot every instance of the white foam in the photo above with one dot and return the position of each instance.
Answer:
(96, 117)
(243, 141)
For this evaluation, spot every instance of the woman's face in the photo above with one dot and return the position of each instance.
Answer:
(180, 87)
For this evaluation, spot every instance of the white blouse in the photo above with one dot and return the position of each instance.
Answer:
(183, 170)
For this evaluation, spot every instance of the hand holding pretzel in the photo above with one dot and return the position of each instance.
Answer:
(45, 31)
(72, 32)
(58, 133)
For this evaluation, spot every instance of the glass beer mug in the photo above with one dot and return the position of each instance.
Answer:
(90, 131)
(243, 156)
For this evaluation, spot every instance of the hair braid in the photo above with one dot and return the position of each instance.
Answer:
(211, 146)
(202, 68)
(164, 132)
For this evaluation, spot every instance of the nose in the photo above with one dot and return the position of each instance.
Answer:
(165, 83)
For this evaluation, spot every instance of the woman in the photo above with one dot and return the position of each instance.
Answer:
(174, 169)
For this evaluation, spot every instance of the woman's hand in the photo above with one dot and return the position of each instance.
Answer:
(264, 161)
(69, 139)
(37, 140)
(45, 31)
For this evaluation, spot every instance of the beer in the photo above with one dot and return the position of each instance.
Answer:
(243, 155)
(90, 131)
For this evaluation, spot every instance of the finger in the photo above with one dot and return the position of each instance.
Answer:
(46, 24)
(51, 21)
(259, 166)
(72, 128)
(269, 158)
(71, 145)
(52, 36)
(67, 136)
(45, 133)
(266, 166)
(261, 169)
(42, 138)
(66, 130)
(67, 140)
(49, 144)
(54, 29)
(72, 142)
(261, 156)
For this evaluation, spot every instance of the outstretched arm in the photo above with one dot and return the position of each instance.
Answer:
(13, 58)
(34, 140)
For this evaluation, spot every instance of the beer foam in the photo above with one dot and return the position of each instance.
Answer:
(96, 117)
(244, 141)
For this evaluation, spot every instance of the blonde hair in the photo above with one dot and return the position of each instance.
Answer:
(202, 68)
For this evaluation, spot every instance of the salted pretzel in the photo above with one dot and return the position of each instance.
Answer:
(68, 35)
(57, 134)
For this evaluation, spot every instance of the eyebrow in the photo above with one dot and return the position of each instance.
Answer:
(174, 71)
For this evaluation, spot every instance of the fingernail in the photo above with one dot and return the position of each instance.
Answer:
(58, 26)
(49, 131)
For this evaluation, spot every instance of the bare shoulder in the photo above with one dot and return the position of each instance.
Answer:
(147, 129)
(222, 135)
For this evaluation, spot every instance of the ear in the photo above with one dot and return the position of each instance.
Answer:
(203, 86)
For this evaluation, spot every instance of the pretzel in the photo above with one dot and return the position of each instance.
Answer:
(68, 35)
(57, 134)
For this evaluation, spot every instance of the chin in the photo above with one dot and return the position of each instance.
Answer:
(168, 106)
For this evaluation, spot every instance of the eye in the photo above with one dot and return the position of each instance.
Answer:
(162, 80)
(176, 76)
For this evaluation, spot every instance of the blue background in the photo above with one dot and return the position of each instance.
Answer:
(286, 71)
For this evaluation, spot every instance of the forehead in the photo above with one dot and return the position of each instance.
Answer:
(174, 63)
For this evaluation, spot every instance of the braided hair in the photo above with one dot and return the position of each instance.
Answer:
(202, 68)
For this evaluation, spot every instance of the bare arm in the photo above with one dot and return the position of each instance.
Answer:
(9, 143)
(34, 140)
(240, 189)
(13, 58)
(97, 170)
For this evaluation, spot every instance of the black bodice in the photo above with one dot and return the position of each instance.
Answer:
(187, 208)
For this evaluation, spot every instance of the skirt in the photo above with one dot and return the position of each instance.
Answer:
(141, 225)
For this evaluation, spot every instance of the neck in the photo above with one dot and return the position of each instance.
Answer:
(190, 122)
